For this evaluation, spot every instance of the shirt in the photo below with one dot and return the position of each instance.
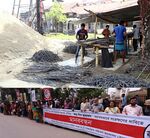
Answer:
(119, 31)
(82, 34)
(130, 110)
(124, 101)
(136, 33)
(114, 110)
(97, 108)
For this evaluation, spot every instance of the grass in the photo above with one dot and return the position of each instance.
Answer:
(62, 36)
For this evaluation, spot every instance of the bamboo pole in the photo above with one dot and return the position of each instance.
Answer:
(95, 30)
(82, 58)
(97, 57)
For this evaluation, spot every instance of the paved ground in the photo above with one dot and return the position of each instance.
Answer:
(16, 127)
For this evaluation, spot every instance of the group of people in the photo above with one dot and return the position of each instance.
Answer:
(120, 34)
(34, 110)
(109, 106)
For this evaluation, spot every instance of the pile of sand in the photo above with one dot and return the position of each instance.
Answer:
(17, 40)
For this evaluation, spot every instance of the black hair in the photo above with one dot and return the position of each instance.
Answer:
(107, 25)
(123, 94)
(134, 26)
(132, 98)
(83, 25)
(121, 22)
(113, 102)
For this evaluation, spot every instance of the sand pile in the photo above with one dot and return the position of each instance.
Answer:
(45, 56)
(17, 40)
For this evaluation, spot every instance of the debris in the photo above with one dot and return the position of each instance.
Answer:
(45, 56)
(70, 49)
(114, 81)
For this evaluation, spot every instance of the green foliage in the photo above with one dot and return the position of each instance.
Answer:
(56, 13)
(90, 92)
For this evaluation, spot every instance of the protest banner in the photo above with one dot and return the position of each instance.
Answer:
(101, 124)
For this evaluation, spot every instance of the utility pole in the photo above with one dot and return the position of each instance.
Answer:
(13, 11)
(30, 13)
(18, 8)
(38, 3)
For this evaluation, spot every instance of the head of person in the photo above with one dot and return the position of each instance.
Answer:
(83, 100)
(134, 26)
(123, 95)
(147, 103)
(133, 101)
(87, 100)
(112, 104)
(96, 100)
(83, 26)
(121, 23)
(99, 97)
(107, 26)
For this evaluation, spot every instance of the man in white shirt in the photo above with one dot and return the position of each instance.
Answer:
(133, 108)
(136, 34)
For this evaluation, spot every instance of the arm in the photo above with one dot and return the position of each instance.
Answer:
(124, 111)
(86, 35)
(103, 33)
(141, 112)
(125, 32)
(118, 110)
(77, 36)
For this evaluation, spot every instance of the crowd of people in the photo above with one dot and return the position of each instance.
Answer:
(34, 110)
(134, 107)
(120, 34)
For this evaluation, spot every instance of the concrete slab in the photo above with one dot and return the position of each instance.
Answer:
(71, 62)
(117, 65)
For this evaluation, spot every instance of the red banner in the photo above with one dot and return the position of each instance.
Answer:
(103, 125)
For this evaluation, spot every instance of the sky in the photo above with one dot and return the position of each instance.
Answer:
(7, 5)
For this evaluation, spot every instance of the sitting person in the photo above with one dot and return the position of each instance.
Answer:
(112, 109)
(96, 107)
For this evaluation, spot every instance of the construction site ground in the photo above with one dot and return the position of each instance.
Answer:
(19, 42)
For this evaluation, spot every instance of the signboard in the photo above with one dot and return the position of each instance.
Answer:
(33, 96)
(47, 94)
(18, 95)
(101, 124)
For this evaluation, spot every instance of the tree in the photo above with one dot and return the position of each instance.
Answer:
(145, 16)
(56, 14)
(90, 93)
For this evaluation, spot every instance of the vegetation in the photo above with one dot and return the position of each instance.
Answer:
(56, 14)
(145, 16)
(81, 93)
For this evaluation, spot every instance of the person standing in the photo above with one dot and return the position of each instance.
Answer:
(106, 32)
(147, 107)
(112, 109)
(133, 108)
(120, 33)
(124, 100)
(136, 34)
(82, 34)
